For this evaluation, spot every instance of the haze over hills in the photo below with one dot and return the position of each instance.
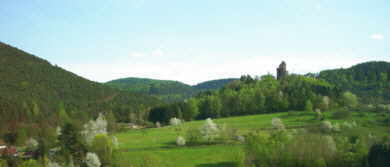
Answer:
(32, 87)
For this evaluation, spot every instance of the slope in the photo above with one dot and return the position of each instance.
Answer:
(214, 84)
(32, 87)
(369, 80)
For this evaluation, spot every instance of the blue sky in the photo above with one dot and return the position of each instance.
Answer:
(194, 41)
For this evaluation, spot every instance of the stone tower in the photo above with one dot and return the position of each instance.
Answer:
(282, 70)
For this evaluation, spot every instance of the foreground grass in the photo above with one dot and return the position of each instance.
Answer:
(158, 144)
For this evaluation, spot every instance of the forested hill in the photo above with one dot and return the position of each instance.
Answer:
(31, 87)
(370, 80)
(214, 84)
(166, 89)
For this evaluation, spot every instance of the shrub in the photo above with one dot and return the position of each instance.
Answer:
(240, 139)
(326, 127)
(342, 114)
(30, 163)
(174, 121)
(31, 144)
(158, 125)
(193, 136)
(209, 130)
(319, 115)
(104, 147)
(277, 124)
(53, 164)
(92, 160)
(379, 155)
(226, 134)
(93, 128)
(3, 163)
(180, 141)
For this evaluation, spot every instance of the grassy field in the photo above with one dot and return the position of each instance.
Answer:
(159, 143)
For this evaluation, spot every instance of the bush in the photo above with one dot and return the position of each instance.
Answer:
(194, 137)
(319, 115)
(277, 124)
(30, 163)
(92, 160)
(342, 114)
(326, 127)
(379, 155)
(3, 163)
(174, 121)
(180, 141)
(310, 150)
(158, 125)
(104, 147)
(31, 144)
(209, 130)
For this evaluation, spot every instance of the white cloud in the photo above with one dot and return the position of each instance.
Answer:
(377, 37)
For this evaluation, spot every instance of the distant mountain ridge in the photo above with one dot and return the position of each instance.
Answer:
(214, 84)
(167, 90)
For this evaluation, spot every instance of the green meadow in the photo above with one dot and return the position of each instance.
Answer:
(158, 144)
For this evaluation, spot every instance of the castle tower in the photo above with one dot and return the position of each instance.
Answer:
(282, 70)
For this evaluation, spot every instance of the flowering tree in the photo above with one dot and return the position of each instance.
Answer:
(326, 126)
(92, 160)
(53, 164)
(174, 121)
(209, 130)
(32, 144)
(180, 141)
(278, 124)
(93, 128)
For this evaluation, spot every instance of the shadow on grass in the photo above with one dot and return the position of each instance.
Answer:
(220, 164)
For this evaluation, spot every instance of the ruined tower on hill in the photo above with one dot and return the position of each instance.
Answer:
(282, 70)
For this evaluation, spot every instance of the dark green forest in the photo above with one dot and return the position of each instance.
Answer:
(32, 89)
(368, 80)
(249, 96)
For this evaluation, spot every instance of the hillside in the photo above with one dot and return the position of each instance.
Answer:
(214, 84)
(164, 89)
(369, 80)
(33, 88)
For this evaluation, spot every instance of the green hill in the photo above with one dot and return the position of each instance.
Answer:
(164, 89)
(32, 88)
(369, 80)
(214, 84)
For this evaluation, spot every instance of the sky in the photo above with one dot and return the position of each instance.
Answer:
(198, 40)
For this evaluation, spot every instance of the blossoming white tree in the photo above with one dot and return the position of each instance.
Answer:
(174, 121)
(32, 144)
(209, 130)
(53, 164)
(326, 126)
(180, 141)
(92, 160)
(93, 128)
(278, 124)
